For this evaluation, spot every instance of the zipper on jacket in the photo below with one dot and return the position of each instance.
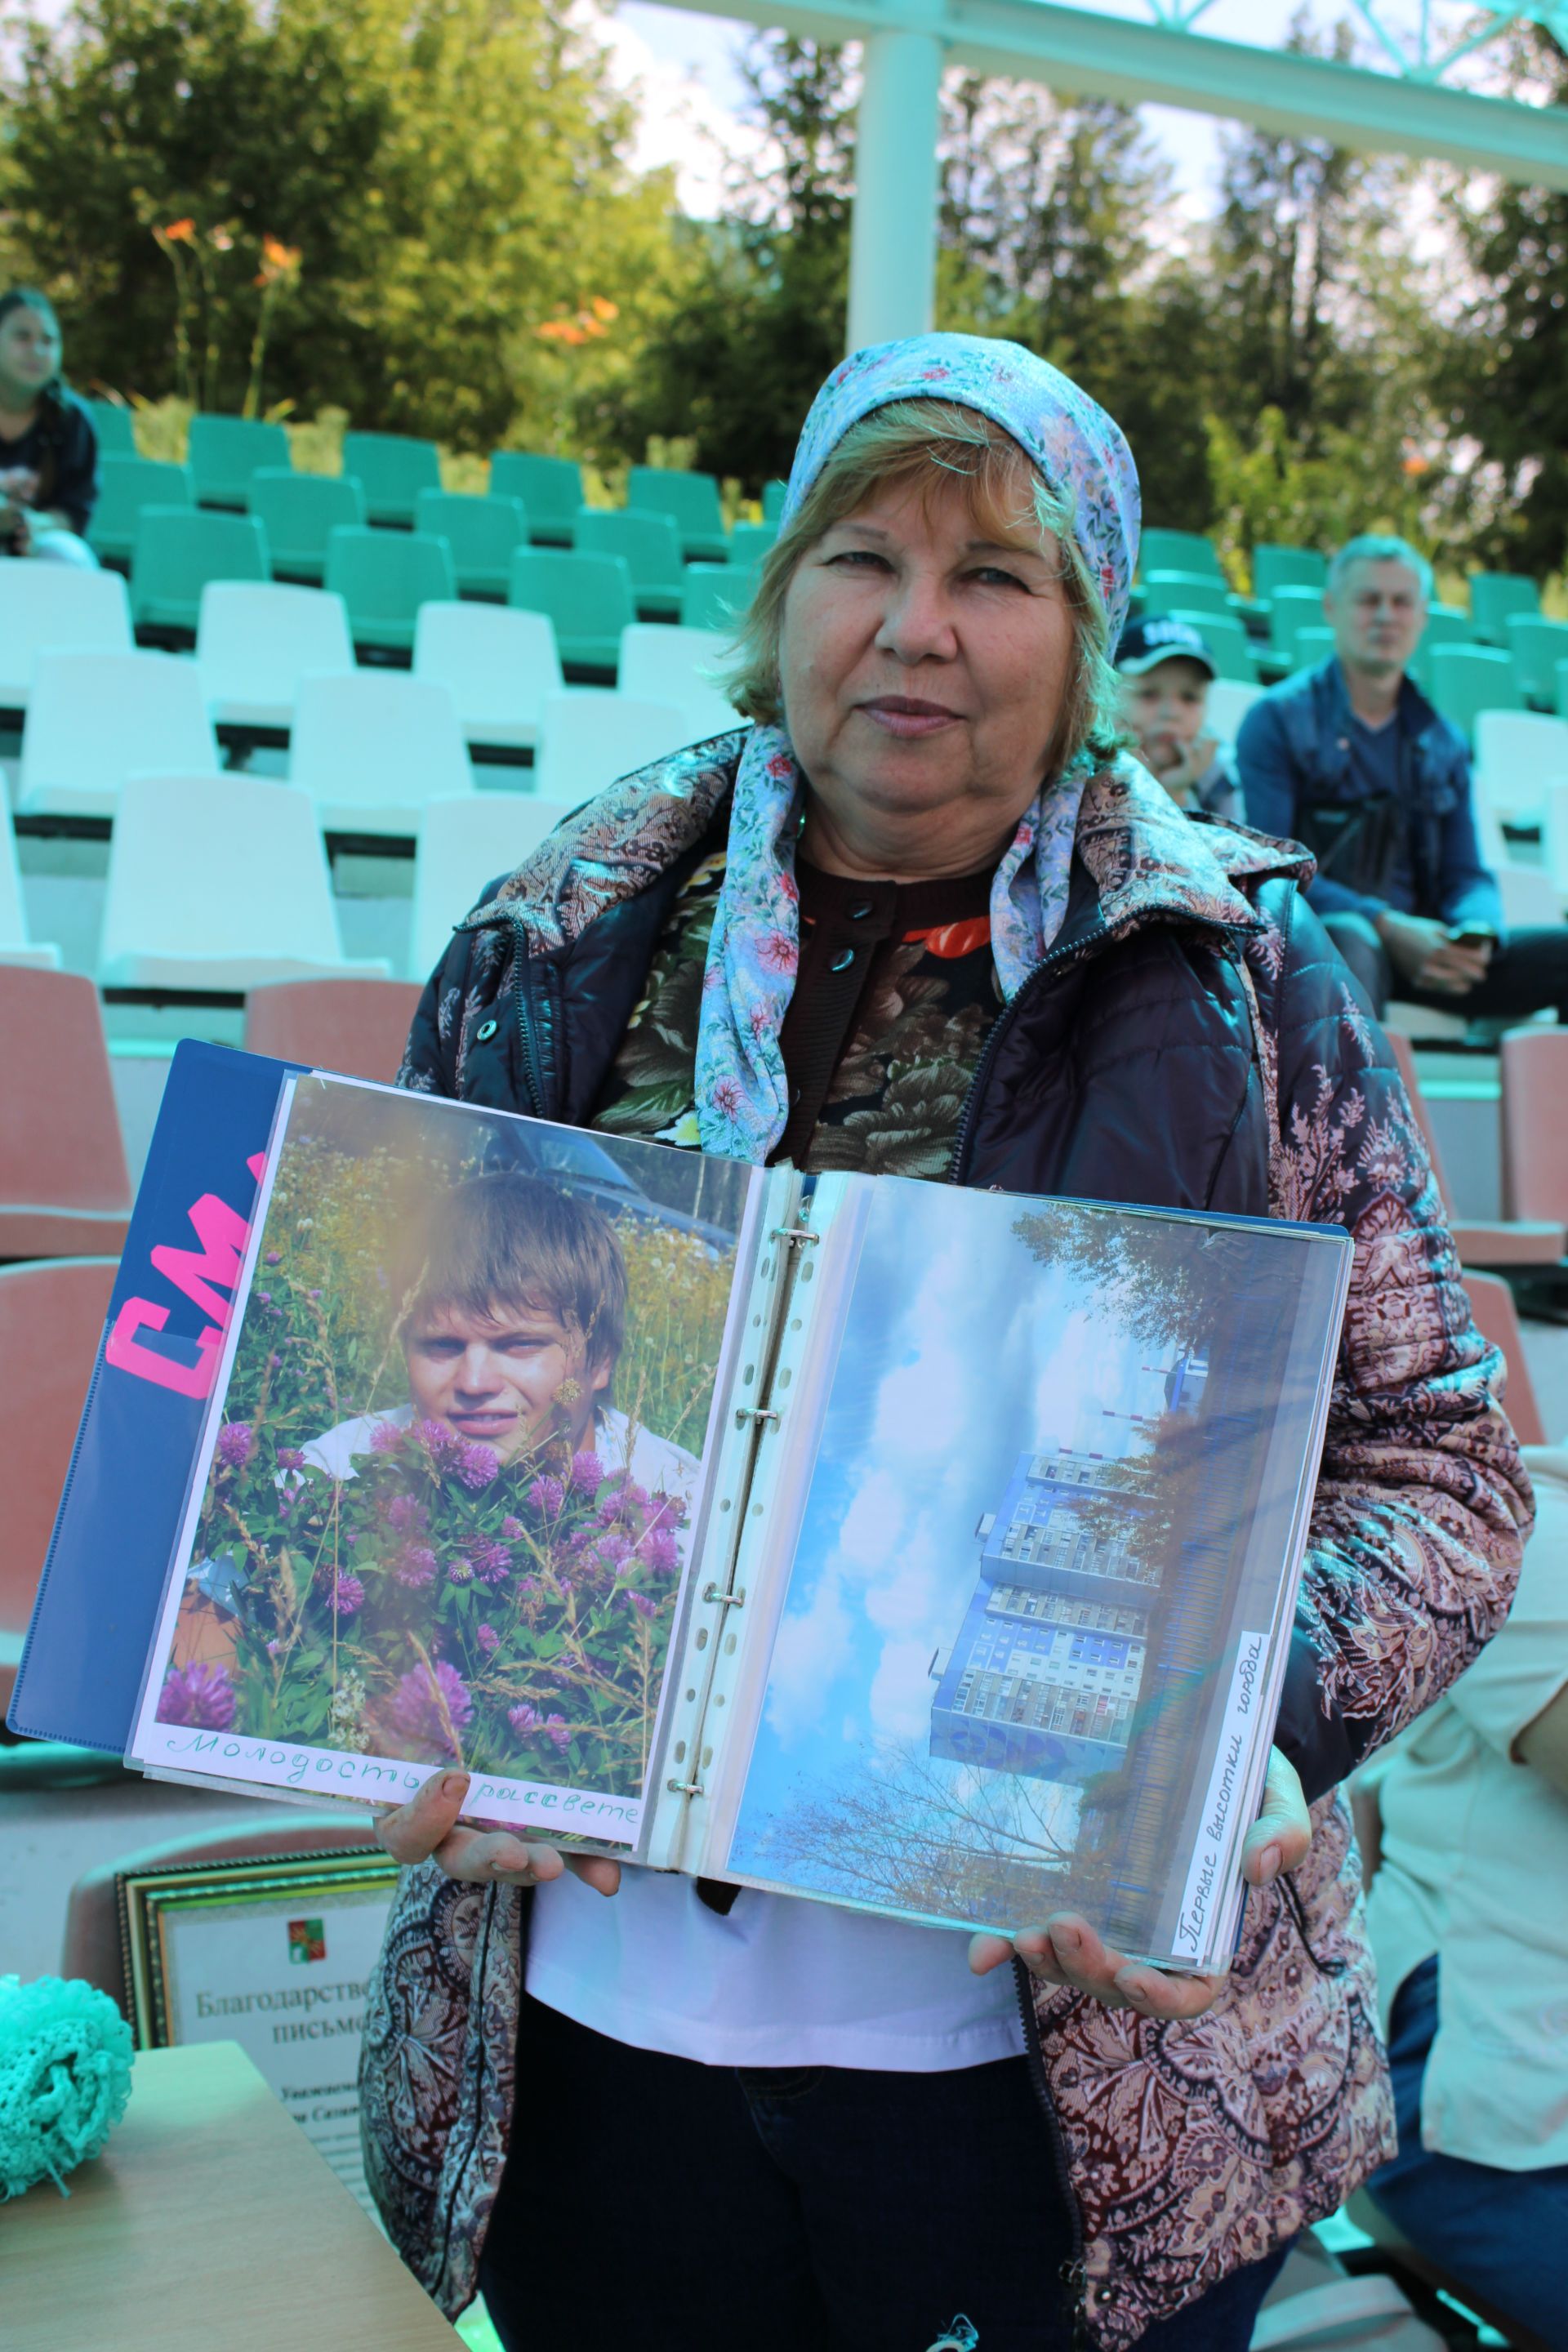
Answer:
(1073, 2272)
(532, 1070)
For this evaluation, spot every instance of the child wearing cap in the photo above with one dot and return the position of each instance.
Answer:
(1168, 670)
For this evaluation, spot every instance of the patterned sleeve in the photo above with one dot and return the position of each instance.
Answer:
(1423, 1502)
(432, 1059)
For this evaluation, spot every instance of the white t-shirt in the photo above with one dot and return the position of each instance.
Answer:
(1475, 1868)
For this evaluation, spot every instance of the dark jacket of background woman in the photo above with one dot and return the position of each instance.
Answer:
(1190, 1041)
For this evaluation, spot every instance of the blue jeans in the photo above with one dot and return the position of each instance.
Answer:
(1503, 2234)
(655, 2203)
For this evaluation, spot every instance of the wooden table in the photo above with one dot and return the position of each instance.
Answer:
(208, 2224)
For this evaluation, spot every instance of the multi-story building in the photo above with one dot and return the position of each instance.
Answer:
(1045, 1672)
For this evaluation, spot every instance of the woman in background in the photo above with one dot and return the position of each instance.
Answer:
(49, 450)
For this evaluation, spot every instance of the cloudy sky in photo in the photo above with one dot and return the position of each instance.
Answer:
(962, 1352)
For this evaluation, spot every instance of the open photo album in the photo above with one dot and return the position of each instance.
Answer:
(924, 1551)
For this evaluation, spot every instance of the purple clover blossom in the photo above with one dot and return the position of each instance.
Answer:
(274, 1649)
(290, 1457)
(511, 1528)
(492, 1563)
(201, 1696)
(528, 1585)
(487, 1639)
(613, 1549)
(545, 1497)
(557, 1728)
(386, 1437)
(479, 1466)
(235, 1440)
(587, 1473)
(347, 1596)
(415, 1567)
(443, 1446)
(273, 1258)
(669, 1510)
(460, 1572)
(430, 1708)
(407, 1515)
(644, 1603)
(263, 1298)
(660, 1550)
(274, 1363)
(524, 1720)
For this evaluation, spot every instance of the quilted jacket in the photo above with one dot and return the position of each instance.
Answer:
(1191, 1039)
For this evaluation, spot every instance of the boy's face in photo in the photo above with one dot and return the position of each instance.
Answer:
(1165, 710)
(498, 1378)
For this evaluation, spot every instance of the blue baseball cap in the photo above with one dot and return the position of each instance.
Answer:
(1146, 644)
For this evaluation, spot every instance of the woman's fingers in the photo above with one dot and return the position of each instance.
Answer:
(412, 1832)
(1067, 1952)
(1279, 1838)
(596, 1870)
(427, 1827)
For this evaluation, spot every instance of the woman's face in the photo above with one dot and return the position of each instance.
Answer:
(29, 352)
(924, 665)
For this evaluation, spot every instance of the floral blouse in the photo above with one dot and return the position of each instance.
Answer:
(896, 991)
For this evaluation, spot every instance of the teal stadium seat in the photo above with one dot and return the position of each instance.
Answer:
(1313, 645)
(1290, 609)
(126, 485)
(299, 512)
(383, 577)
(1286, 567)
(1467, 679)
(551, 489)
(392, 469)
(1186, 592)
(225, 451)
(713, 596)
(1536, 647)
(483, 533)
(691, 502)
(652, 547)
(1447, 624)
(1495, 598)
(1227, 639)
(772, 500)
(178, 549)
(750, 541)
(112, 424)
(588, 598)
(1178, 551)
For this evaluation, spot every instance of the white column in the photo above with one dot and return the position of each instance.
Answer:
(892, 233)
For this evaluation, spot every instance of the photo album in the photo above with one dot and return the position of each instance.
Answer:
(924, 1551)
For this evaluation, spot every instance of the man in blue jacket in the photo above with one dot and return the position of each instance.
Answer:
(1353, 760)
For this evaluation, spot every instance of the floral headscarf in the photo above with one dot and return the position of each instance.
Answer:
(742, 1102)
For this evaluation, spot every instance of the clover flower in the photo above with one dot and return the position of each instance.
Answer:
(511, 1528)
(407, 1515)
(660, 1550)
(613, 1549)
(587, 1473)
(415, 1567)
(386, 1437)
(478, 1465)
(290, 1457)
(430, 1708)
(235, 1441)
(644, 1603)
(545, 1497)
(487, 1639)
(524, 1720)
(347, 1596)
(442, 1445)
(201, 1696)
(460, 1572)
(492, 1563)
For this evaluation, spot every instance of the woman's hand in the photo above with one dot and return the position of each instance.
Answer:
(426, 1827)
(1067, 1952)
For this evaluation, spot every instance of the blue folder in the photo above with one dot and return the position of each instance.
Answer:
(130, 1468)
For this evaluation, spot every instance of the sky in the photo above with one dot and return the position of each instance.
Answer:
(683, 64)
(917, 1445)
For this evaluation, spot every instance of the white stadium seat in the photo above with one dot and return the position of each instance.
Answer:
(463, 844)
(1530, 898)
(666, 664)
(1554, 831)
(93, 718)
(372, 749)
(1518, 754)
(58, 607)
(499, 664)
(597, 734)
(256, 639)
(1229, 704)
(219, 881)
(15, 947)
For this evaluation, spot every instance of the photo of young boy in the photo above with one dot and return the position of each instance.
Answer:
(447, 1504)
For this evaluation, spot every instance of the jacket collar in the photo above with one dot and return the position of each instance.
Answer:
(1148, 862)
(1417, 716)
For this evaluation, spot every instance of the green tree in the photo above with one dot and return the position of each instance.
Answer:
(762, 318)
(448, 170)
(1050, 219)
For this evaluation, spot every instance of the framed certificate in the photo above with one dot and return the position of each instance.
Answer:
(275, 1954)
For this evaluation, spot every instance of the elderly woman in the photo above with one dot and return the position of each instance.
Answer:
(924, 915)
